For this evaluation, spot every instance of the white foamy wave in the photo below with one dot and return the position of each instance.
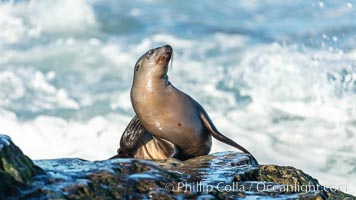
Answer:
(22, 21)
(18, 88)
(12, 28)
(63, 17)
(12, 88)
(53, 137)
(286, 76)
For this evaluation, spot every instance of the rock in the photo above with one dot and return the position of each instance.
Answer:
(16, 169)
(112, 179)
(235, 177)
(223, 175)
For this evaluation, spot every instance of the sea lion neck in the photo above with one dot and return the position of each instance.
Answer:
(146, 84)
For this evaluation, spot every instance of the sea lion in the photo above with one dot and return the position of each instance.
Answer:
(168, 122)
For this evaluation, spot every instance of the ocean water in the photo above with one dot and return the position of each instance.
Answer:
(278, 77)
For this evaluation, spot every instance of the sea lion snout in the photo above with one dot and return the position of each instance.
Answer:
(164, 53)
(167, 48)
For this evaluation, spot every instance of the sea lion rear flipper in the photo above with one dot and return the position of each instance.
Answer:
(168, 147)
(154, 148)
(219, 136)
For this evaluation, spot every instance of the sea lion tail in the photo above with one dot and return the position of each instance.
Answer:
(219, 136)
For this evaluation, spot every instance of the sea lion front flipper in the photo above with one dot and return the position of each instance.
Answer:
(219, 136)
(130, 138)
(132, 134)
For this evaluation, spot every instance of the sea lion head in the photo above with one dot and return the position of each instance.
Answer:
(154, 62)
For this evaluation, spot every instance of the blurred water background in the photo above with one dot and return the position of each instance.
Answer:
(278, 77)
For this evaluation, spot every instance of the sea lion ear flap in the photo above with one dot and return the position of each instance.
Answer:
(138, 63)
(136, 67)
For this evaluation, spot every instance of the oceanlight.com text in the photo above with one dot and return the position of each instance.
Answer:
(251, 187)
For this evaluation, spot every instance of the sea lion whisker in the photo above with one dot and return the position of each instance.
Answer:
(171, 61)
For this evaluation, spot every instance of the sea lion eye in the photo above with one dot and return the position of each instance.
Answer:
(136, 67)
(149, 54)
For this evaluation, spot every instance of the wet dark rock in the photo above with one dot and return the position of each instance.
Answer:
(225, 175)
(16, 169)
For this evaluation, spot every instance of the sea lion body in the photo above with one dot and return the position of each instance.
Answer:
(180, 127)
(170, 114)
